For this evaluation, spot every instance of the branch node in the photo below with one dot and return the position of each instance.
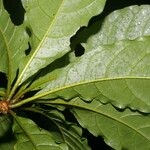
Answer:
(4, 106)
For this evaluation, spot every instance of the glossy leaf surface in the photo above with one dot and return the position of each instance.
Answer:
(30, 136)
(112, 70)
(50, 37)
(62, 130)
(13, 43)
(120, 129)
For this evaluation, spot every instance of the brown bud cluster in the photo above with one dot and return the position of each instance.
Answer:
(4, 107)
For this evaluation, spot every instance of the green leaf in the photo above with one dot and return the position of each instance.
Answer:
(5, 124)
(120, 129)
(112, 73)
(51, 25)
(128, 23)
(7, 141)
(30, 136)
(13, 41)
(72, 135)
(63, 131)
(2, 92)
(7, 146)
(116, 72)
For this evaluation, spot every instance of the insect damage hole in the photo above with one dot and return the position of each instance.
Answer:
(16, 11)
(27, 51)
(79, 50)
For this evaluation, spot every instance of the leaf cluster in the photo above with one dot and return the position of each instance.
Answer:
(70, 67)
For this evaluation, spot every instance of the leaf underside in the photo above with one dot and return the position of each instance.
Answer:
(63, 131)
(14, 42)
(120, 129)
(29, 135)
(50, 37)
(5, 125)
(113, 69)
(113, 74)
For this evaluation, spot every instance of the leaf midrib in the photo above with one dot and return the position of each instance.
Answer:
(47, 116)
(26, 133)
(87, 82)
(9, 62)
(71, 86)
(36, 50)
(73, 138)
(61, 128)
(101, 113)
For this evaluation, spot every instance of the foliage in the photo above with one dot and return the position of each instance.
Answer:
(77, 56)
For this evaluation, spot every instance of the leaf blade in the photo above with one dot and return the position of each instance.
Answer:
(5, 124)
(31, 136)
(105, 120)
(14, 41)
(62, 130)
(8, 144)
(58, 31)
(117, 83)
(112, 58)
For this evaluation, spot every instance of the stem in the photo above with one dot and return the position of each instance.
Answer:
(26, 101)
(19, 93)
(24, 90)
(35, 111)
(13, 91)
(2, 93)
(12, 113)
(8, 89)
(30, 99)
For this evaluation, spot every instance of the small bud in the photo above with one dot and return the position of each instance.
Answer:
(4, 107)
